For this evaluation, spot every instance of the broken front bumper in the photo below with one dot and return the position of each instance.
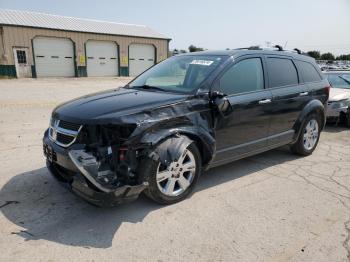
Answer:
(61, 166)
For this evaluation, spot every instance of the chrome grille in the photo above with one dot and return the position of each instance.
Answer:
(63, 133)
(69, 125)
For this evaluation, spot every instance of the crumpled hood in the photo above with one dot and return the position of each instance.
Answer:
(100, 107)
(337, 94)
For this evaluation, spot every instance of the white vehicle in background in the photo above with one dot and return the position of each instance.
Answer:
(338, 110)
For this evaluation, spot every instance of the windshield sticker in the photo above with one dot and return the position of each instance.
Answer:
(202, 62)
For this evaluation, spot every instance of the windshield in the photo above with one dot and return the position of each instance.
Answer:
(339, 80)
(181, 74)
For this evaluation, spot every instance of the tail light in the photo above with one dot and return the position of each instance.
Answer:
(327, 88)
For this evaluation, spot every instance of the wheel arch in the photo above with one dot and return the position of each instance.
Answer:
(314, 106)
(204, 141)
(203, 149)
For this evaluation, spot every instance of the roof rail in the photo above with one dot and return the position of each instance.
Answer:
(255, 47)
(297, 50)
(278, 47)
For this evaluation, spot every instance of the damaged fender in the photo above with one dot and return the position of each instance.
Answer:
(203, 138)
(170, 150)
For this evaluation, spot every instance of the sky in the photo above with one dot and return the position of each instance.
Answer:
(219, 24)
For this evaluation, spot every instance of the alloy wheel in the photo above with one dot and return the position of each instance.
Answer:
(310, 134)
(174, 179)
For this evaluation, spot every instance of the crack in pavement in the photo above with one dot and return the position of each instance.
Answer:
(306, 173)
(9, 203)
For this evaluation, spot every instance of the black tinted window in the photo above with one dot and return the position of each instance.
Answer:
(307, 72)
(245, 76)
(282, 72)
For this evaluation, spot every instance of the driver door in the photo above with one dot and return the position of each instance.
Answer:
(245, 128)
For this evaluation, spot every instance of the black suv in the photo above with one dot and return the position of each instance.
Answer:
(188, 113)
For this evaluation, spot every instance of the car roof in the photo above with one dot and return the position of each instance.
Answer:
(239, 52)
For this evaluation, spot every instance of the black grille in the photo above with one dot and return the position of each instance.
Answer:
(64, 139)
(68, 125)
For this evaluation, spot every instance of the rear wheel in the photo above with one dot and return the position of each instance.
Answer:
(309, 136)
(174, 182)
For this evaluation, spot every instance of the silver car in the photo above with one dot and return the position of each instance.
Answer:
(339, 97)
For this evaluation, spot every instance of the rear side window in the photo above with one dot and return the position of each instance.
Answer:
(282, 72)
(245, 76)
(308, 72)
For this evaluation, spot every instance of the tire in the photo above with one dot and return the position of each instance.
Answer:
(302, 147)
(150, 169)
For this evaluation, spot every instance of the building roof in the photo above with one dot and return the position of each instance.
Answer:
(41, 20)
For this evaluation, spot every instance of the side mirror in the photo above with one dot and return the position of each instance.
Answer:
(222, 103)
(217, 94)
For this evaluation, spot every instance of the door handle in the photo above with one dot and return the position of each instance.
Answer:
(264, 101)
(304, 94)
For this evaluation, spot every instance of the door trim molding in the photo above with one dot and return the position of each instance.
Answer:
(253, 152)
(285, 133)
(250, 153)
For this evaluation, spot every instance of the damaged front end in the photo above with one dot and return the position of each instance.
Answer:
(98, 167)
(100, 158)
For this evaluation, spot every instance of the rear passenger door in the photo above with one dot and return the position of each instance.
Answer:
(310, 79)
(245, 129)
(287, 98)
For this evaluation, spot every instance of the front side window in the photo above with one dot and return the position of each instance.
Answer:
(245, 76)
(341, 80)
(182, 74)
(282, 72)
(308, 72)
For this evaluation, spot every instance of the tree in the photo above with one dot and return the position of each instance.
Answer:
(344, 57)
(327, 56)
(314, 54)
(193, 48)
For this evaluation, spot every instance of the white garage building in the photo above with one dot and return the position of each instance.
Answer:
(42, 45)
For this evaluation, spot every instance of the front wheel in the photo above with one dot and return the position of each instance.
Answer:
(174, 182)
(309, 136)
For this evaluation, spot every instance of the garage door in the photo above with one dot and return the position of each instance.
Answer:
(141, 57)
(102, 58)
(53, 57)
